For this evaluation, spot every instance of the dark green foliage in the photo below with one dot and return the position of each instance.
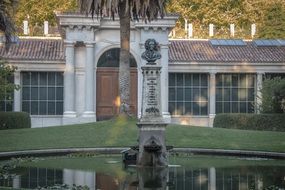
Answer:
(262, 122)
(273, 96)
(14, 120)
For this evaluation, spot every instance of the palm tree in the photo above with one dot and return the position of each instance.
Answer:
(127, 10)
(6, 23)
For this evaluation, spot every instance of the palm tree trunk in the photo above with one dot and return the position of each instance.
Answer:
(124, 68)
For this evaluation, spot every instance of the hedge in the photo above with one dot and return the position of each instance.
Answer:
(262, 122)
(14, 120)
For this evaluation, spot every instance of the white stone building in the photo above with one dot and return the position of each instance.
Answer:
(74, 79)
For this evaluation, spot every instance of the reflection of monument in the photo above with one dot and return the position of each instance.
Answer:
(152, 149)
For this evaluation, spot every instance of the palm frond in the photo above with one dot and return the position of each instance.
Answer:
(146, 10)
(6, 22)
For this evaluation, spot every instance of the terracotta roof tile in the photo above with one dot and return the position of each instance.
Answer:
(203, 51)
(35, 49)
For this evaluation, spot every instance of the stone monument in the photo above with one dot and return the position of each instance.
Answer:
(152, 148)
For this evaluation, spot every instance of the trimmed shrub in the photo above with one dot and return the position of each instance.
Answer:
(261, 122)
(14, 120)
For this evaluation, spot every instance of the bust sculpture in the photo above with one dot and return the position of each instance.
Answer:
(151, 54)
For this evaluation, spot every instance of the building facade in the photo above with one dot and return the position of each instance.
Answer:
(74, 79)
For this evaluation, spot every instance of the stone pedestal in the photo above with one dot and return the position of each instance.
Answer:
(152, 148)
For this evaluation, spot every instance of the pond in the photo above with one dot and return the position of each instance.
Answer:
(106, 172)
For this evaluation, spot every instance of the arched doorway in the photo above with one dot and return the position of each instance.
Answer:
(107, 87)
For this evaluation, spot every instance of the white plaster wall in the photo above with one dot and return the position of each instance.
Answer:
(45, 121)
(202, 121)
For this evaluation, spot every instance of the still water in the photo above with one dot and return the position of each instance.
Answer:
(186, 172)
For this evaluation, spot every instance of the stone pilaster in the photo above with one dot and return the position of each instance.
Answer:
(89, 81)
(259, 80)
(17, 93)
(69, 81)
(164, 83)
(212, 98)
(212, 178)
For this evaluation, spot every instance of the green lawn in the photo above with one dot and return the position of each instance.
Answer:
(121, 133)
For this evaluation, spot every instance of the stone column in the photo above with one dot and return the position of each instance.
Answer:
(212, 98)
(164, 82)
(212, 178)
(17, 93)
(259, 80)
(89, 81)
(69, 81)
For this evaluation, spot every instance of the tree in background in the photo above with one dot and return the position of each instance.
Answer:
(273, 23)
(273, 95)
(267, 15)
(6, 86)
(38, 11)
(6, 14)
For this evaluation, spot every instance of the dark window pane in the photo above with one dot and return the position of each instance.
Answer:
(204, 108)
(9, 106)
(59, 79)
(171, 79)
(34, 108)
(204, 80)
(242, 81)
(51, 78)
(59, 93)
(26, 93)
(235, 80)
(243, 107)
(227, 94)
(26, 106)
(196, 94)
(219, 94)
(250, 94)
(2, 106)
(26, 78)
(196, 108)
(43, 79)
(227, 80)
(188, 95)
(34, 93)
(51, 108)
(171, 108)
(172, 94)
(34, 78)
(196, 80)
(59, 108)
(219, 107)
(204, 94)
(43, 107)
(43, 93)
(219, 80)
(188, 79)
(180, 94)
(227, 108)
(234, 94)
(179, 78)
(235, 107)
(188, 109)
(51, 93)
(180, 109)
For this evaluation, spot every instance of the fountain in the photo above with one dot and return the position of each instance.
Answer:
(152, 150)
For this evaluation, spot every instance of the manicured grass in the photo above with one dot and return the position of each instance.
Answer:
(123, 133)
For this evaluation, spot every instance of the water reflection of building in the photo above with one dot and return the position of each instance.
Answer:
(239, 178)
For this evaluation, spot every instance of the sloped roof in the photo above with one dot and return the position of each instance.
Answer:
(203, 51)
(35, 49)
(45, 49)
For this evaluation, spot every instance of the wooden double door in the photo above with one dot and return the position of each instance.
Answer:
(107, 89)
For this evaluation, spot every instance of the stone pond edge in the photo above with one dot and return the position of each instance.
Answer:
(118, 150)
